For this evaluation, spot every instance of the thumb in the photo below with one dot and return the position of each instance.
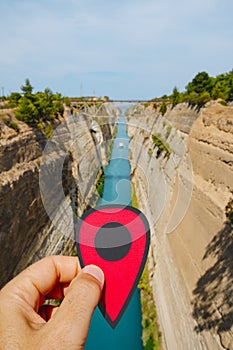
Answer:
(72, 319)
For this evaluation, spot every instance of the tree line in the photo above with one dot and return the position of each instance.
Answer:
(202, 89)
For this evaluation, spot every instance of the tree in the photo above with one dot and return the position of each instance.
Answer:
(44, 102)
(220, 87)
(200, 83)
(58, 108)
(175, 97)
(163, 108)
(27, 88)
(37, 109)
(14, 99)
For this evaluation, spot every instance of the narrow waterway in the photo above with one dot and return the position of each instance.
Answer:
(117, 190)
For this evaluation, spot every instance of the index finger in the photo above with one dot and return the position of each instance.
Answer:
(41, 277)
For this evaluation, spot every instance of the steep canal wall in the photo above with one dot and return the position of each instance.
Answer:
(26, 231)
(182, 174)
(183, 182)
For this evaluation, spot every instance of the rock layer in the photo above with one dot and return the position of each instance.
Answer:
(27, 232)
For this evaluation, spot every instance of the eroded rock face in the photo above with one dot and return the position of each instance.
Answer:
(26, 232)
(182, 117)
(211, 146)
(19, 195)
(211, 149)
(191, 267)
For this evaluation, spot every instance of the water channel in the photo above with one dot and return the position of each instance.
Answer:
(117, 190)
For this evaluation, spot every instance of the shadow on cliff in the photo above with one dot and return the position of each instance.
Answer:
(213, 295)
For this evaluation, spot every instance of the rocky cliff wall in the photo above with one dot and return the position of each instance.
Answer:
(66, 170)
(205, 233)
(182, 117)
(190, 263)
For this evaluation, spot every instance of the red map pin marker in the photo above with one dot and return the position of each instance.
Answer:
(116, 238)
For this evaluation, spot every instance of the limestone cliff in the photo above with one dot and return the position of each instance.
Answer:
(184, 191)
(182, 117)
(27, 232)
(211, 149)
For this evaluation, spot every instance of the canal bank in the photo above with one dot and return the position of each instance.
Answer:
(117, 190)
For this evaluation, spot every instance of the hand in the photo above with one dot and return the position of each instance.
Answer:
(27, 324)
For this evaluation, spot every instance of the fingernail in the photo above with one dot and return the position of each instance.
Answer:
(96, 272)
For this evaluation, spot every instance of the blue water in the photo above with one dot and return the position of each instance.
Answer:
(117, 190)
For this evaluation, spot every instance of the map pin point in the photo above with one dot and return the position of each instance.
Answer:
(116, 238)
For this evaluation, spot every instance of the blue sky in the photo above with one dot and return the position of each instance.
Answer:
(123, 49)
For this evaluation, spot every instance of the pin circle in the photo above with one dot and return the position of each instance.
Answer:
(113, 241)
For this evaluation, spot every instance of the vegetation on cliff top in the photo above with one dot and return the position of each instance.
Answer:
(201, 90)
(39, 109)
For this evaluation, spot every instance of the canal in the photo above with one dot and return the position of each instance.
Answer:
(117, 190)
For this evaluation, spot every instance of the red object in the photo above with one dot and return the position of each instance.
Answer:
(116, 238)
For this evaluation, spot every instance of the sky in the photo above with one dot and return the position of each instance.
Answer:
(125, 49)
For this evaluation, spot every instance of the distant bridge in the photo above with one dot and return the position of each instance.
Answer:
(80, 101)
(96, 104)
(87, 102)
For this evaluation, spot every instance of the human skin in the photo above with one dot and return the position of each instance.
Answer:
(27, 324)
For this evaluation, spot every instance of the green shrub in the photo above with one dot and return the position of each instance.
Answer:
(36, 108)
(223, 103)
(40, 125)
(67, 101)
(163, 108)
(100, 184)
(203, 98)
(175, 97)
(161, 145)
(48, 131)
(12, 125)
(26, 111)
(229, 211)
(150, 151)
(14, 99)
